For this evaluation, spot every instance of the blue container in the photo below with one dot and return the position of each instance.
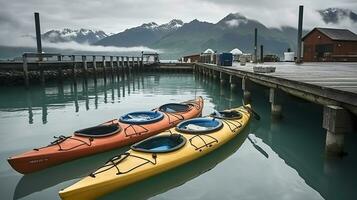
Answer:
(225, 59)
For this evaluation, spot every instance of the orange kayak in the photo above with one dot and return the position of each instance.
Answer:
(129, 129)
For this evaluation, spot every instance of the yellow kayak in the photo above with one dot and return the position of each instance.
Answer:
(190, 140)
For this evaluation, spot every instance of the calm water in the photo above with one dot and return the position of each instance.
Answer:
(271, 159)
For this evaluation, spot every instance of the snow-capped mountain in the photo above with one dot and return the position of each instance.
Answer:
(335, 15)
(146, 34)
(68, 35)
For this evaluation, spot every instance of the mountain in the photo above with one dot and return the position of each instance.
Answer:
(335, 15)
(68, 35)
(233, 31)
(143, 35)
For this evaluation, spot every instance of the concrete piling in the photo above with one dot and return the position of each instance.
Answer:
(246, 93)
(337, 122)
(276, 108)
(25, 70)
(233, 80)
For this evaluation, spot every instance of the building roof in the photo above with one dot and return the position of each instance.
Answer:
(236, 51)
(336, 34)
(208, 51)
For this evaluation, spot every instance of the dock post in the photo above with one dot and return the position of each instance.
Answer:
(111, 64)
(298, 53)
(104, 66)
(246, 93)
(132, 62)
(127, 63)
(85, 67)
(122, 65)
(222, 77)
(25, 69)
(255, 45)
(42, 73)
(233, 80)
(95, 65)
(118, 64)
(59, 69)
(261, 53)
(275, 107)
(74, 70)
(337, 122)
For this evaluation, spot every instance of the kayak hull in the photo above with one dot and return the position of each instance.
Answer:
(135, 166)
(75, 147)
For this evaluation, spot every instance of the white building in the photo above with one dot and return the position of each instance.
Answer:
(236, 54)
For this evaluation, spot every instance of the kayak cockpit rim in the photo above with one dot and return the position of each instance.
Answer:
(160, 144)
(141, 117)
(174, 107)
(201, 125)
(99, 131)
(230, 115)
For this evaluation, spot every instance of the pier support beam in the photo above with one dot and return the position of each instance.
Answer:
(118, 64)
(223, 77)
(233, 80)
(337, 121)
(74, 70)
(276, 108)
(59, 70)
(104, 66)
(95, 65)
(25, 69)
(85, 66)
(111, 64)
(246, 94)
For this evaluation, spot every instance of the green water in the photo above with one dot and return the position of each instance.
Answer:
(271, 159)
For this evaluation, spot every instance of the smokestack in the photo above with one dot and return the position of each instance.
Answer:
(255, 44)
(298, 53)
(38, 32)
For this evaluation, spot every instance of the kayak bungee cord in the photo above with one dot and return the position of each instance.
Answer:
(116, 160)
(209, 144)
(62, 138)
(178, 117)
(132, 126)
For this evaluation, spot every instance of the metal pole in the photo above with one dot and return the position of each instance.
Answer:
(261, 53)
(38, 33)
(298, 53)
(255, 44)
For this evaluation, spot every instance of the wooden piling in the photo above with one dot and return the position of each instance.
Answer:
(59, 69)
(85, 67)
(95, 65)
(111, 64)
(74, 70)
(25, 69)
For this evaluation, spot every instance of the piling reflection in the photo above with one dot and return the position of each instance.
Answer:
(182, 174)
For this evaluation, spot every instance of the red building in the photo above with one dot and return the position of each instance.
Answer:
(330, 45)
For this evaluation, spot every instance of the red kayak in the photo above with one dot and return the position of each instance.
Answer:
(128, 129)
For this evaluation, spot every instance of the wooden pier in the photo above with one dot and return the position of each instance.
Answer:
(332, 85)
(35, 62)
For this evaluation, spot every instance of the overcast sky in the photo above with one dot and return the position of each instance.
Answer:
(113, 16)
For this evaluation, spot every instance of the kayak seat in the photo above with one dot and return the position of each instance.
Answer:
(174, 107)
(141, 117)
(160, 144)
(199, 125)
(233, 115)
(99, 131)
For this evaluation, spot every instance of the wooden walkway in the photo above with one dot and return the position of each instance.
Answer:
(339, 76)
(322, 83)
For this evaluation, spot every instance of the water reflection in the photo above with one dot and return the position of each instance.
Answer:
(74, 170)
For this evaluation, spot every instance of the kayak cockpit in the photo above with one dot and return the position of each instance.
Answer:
(231, 114)
(160, 144)
(99, 131)
(174, 107)
(199, 125)
(141, 117)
